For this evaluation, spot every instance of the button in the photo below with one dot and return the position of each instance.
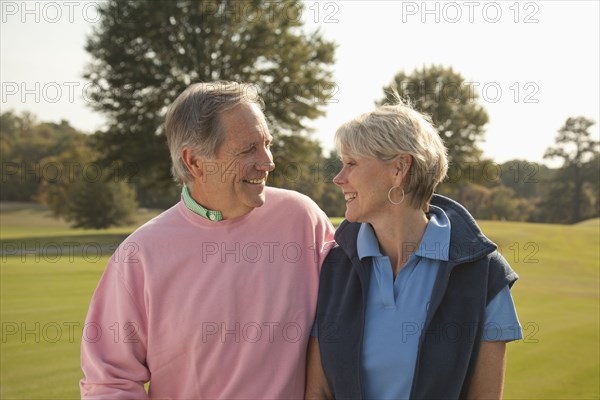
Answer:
(212, 217)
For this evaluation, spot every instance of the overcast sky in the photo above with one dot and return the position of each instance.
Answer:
(535, 63)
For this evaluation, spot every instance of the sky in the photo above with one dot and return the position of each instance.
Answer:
(534, 63)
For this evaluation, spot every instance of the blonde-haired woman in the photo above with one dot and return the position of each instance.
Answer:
(414, 301)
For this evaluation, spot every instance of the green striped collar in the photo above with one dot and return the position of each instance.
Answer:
(193, 206)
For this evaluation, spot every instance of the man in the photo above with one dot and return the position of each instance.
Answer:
(215, 297)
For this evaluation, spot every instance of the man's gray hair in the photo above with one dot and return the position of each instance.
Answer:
(393, 130)
(193, 120)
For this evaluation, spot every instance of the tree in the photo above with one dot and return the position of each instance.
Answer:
(525, 178)
(576, 147)
(592, 172)
(503, 204)
(55, 165)
(59, 173)
(100, 204)
(452, 104)
(297, 161)
(332, 200)
(77, 188)
(24, 143)
(146, 52)
(476, 198)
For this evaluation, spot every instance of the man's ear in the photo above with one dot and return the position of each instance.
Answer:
(402, 164)
(192, 163)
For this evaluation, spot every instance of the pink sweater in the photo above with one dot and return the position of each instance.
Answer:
(208, 309)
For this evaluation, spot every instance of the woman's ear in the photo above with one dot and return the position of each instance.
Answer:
(402, 164)
(192, 163)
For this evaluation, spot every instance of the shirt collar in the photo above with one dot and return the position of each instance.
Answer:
(366, 242)
(436, 239)
(434, 245)
(193, 206)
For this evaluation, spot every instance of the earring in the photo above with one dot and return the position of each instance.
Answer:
(390, 194)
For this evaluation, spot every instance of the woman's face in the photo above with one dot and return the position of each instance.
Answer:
(365, 183)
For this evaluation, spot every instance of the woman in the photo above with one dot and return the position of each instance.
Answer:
(414, 302)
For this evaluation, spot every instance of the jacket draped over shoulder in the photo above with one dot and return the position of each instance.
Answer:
(450, 341)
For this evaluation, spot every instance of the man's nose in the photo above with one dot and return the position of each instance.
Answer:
(265, 166)
(264, 160)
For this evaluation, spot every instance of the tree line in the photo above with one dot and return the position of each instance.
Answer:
(146, 52)
(56, 165)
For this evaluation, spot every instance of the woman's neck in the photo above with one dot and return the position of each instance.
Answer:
(400, 234)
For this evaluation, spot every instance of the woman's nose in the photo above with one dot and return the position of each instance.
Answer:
(339, 179)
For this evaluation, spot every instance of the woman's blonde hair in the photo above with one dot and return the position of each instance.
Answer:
(396, 129)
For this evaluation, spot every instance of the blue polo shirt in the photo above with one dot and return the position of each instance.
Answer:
(396, 309)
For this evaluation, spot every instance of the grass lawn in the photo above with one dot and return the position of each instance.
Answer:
(43, 308)
(44, 299)
(43, 302)
(557, 298)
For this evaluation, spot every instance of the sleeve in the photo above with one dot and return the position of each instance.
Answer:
(314, 332)
(325, 242)
(113, 346)
(324, 236)
(501, 320)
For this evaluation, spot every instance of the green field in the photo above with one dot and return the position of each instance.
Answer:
(44, 299)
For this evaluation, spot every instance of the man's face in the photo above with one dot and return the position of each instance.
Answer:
(234, 182)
